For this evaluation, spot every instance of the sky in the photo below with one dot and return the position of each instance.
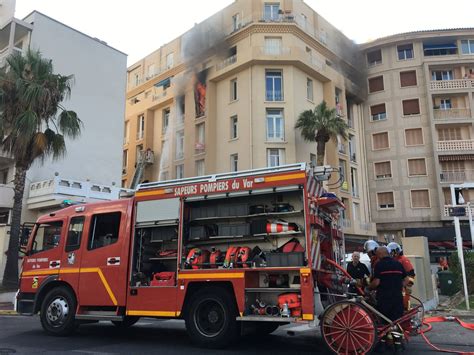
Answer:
(139, 27)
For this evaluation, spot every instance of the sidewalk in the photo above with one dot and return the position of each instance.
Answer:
(6, 303)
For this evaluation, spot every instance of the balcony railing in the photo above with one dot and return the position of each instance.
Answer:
(445, 114)
(467, 209)
(453, 146)
(456, 176)
(274, 95)
(226, 62)
(341, 148)
(452, 84)
(275, 50)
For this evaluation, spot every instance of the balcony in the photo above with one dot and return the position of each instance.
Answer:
(51, 193)
(455, 146)
(467, 209)
(452, 113)
(275, 51)
(341, 148)
(458, 84)
(226, 62)
(456, 176)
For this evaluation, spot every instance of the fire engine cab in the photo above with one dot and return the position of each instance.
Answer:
(220, 251)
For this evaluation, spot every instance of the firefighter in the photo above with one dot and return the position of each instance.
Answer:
(370, 247)
(388, 281)
(396, 252)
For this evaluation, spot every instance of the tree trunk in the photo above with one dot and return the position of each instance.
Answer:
(10, 276)
(320, 152)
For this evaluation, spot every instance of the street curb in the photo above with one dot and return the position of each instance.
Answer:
(8, 313)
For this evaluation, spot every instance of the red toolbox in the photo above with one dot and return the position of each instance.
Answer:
(164, 279)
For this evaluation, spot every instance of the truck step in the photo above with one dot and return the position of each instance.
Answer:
(98, 316)
(267, 319)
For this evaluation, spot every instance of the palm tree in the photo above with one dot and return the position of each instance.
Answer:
(320, 125)
(33, 126)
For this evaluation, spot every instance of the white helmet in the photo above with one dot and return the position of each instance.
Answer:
(394, 248)
(370, 245)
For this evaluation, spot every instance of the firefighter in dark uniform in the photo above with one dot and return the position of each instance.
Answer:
(388, 281)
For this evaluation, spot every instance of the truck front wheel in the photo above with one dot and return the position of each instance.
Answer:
(210, 320)
(57, 312)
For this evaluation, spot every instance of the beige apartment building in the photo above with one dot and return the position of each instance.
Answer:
(419, 134)
(225, 96)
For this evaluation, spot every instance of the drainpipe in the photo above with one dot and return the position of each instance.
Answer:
(250, 118)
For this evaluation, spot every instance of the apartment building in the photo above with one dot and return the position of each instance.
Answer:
(225, 96)
(91, 169)
(419, 131)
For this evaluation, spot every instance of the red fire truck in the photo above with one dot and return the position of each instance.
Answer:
(220, 251)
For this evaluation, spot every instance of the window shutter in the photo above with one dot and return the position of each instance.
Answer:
(450, 134)
(383, 169)
(416, 167)
(376, 84)
(385, 198)
(411, 107)
(380, 140)
(420, 198)
(374, 56)
(377, 109)
(413, 136)
(408, 78)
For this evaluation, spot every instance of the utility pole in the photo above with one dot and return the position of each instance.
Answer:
(457, 229)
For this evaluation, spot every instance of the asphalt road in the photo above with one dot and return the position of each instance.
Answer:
(24, 335)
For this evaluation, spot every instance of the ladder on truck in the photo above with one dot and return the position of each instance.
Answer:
(144, 158)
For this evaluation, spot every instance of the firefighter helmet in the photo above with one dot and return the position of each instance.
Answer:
(394, 248)
(370, 246)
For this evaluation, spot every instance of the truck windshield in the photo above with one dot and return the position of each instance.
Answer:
(47, 236)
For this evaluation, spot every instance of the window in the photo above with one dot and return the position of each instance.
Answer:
(376, 84)
(374, 57)
(233, 90)
(164, 176)
(275, 157)
(437, 75)
(356, 211)
(417, 167)
(200, 168)
(181, 108)
(352, 148)
(139, 154)
(342, 173)
(413, 136)
(408, 78)
(440, 49)
(411, 107)
(313, 159)
(383, 170)
(272, 46)
(200, 145)
(234, 162)
(234, 133)
(420, 198)
(140, 127)
(169, 61)
(405, 51)
(137, 79)
(104, 230)
(180, 145)
(450, 134)
(354, 185)
(126, 132)
(125, 159)
(74, 234)
(274, 85)
(180, 171)
(385, 200)
(47, 236)
(4, 176)
(309, 89)
(378, 112)
(236, 22)
(445, 104)
(275, 125)
(380, 141)
(151, 70)
(271, 12)
(166, 120)
(467, 46)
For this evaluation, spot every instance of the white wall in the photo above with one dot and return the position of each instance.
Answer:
(98, 97)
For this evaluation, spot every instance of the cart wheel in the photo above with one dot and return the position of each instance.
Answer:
(348, 328)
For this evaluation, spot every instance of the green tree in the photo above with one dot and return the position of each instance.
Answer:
(320, 125)
(33, 126)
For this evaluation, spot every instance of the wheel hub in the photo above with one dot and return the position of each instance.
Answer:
(57, 311)
(213, 317)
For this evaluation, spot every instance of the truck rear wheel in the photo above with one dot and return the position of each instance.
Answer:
(57, 312)
(210, 320)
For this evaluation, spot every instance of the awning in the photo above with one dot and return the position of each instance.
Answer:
(456, 157)
(439, 234)
(428, 47)
(164, 82)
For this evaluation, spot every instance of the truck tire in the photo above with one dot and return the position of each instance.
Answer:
(58, 311)
(210, 319)
(127, 322)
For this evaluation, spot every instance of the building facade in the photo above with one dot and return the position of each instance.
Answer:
(91, 168)
(419, 133)
(226, 95)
